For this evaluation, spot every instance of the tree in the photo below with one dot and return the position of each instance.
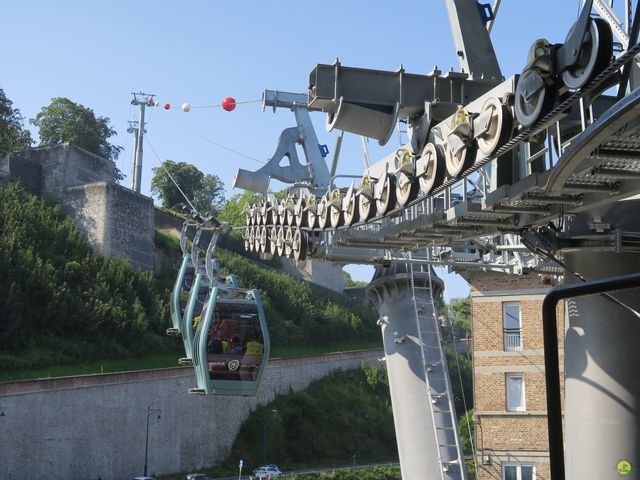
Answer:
(233, 209)
(65, 121)
(461, 313)
(349, 282)
(205, 192)
(13, 136)
(467, 432)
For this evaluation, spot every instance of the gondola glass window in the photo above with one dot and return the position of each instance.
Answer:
(235, 343)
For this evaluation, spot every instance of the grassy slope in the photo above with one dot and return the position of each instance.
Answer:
(66, 311)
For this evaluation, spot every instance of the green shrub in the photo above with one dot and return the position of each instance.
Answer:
(336, 417)
(61, 303)
(300, 313)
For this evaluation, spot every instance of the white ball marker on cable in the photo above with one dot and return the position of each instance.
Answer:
(186, 107)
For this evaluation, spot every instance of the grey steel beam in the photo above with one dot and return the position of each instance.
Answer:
(474, 49)
(382, 90)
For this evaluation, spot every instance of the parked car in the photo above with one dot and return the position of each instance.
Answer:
(266, 472)
(196, 476)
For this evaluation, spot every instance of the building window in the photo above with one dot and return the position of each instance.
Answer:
(518, 471)
(512, 326)
(515, 392)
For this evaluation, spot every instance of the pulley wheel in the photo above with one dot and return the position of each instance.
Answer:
(300, 244)
(531, 108)
(273, 240)
(250, 212)
(312, 212)
(292, 219)
(288, 242)
(336, 216)
(282, 212)
(264, 240)
(499, 129)
(366, 207)
(323, 217)
(245, 236)
(252, 234)
(351, 213)
(312, 219)
(247, 214)
(387, 200)
(406, 188)
(298, 211)
(256, 239)
(459, 161)
(267, 213)
(280, 242)
(595, 54)
(430, 167)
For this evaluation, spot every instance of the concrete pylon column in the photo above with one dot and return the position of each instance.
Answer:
(602, 373)
(413, 412)
(602, 354)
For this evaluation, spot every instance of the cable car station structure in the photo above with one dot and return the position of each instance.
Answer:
(533, 174)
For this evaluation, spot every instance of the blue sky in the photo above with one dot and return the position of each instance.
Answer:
(97, 53)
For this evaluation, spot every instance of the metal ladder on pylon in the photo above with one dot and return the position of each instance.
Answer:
(437, 380)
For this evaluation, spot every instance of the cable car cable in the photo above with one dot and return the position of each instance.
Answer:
(202, 137)
(170, 176)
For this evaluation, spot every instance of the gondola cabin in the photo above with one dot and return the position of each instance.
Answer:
(195, 311)
(231, 343)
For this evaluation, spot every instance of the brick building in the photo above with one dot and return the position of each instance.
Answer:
(508, 373)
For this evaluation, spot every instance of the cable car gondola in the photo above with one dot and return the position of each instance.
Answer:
(231, 343)
(207, 275)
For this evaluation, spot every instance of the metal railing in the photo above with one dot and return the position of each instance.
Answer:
(512, 340)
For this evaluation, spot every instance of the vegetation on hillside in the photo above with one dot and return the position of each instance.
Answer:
(63, 303)
(344, 414)
(374, 473)
(300, 313)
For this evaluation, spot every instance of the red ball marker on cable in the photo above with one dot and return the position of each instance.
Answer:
(229, 104)
(167, 106)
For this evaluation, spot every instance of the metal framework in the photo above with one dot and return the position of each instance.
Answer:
(502, 175)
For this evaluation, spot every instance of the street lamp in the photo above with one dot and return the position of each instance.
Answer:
(150, 411)
(267, 414)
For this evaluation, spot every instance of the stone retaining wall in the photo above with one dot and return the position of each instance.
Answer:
(93, 427)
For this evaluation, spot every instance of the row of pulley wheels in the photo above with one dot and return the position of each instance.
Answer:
(282, 241)
(379, 195)
(470, 133)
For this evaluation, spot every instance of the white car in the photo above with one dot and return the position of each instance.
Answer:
(266, 472)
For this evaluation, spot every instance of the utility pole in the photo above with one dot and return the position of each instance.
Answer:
(133, 128)
(142, 100)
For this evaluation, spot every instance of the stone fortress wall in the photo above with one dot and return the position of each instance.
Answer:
(115, 220)
(93, 427)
